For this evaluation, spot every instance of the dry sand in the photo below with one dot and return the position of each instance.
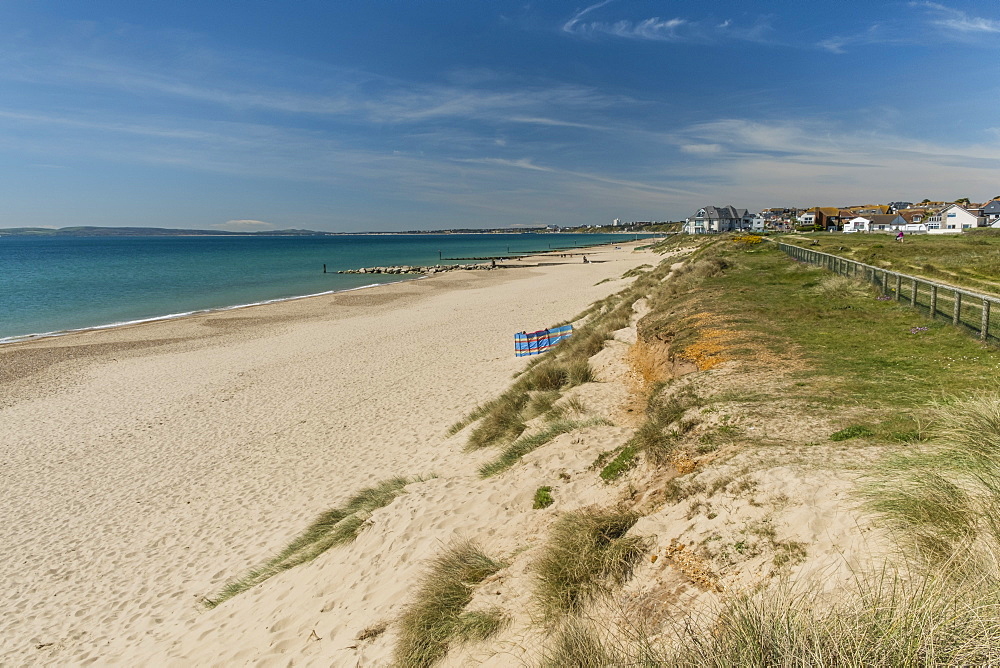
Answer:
(145, 466)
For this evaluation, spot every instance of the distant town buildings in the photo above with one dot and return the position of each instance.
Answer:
(926, 217)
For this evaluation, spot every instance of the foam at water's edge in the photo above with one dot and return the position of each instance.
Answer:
(31, 337)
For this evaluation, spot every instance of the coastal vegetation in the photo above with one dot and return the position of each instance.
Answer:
(522, 446)
(587, 552)
(436, 616)
(337, 526)
(543, 498)
(883, 377)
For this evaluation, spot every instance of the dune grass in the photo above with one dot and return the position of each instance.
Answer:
(337, 526)
(657, 437)
(884, 621)
(577, 643)
(587, 553)
(943, 501)
(503, 419)
(888, 622)
(512, 453)
(435, 618)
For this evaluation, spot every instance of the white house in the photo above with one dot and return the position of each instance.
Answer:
(711, 219)
(953, 219)
(859, 224)
(882, 222)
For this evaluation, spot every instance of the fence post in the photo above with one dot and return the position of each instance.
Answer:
(984, 328)
(899, 285)
(913, 292)
(957, 315)
(933, 301)
(885, 282)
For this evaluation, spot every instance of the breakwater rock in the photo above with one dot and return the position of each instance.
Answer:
(407, 269)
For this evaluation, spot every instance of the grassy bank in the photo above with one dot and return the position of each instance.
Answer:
(970, 260)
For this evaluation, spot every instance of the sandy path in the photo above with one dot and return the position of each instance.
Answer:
(144, 466)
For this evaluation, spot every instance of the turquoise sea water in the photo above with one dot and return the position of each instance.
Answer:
(55, 284)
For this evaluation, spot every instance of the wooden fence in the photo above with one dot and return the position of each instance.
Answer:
(969, 310)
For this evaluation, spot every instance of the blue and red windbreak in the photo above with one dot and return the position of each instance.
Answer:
(533, 343)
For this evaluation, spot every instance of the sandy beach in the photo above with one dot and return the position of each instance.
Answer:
(145, 466)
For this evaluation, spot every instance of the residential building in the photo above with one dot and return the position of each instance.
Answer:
(824, 217)
(713, 219)
(881, 222)
(953, 219)
(991, 213)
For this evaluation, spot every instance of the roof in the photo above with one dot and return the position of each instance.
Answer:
(720, 212)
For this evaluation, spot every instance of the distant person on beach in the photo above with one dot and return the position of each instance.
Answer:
(585, 260)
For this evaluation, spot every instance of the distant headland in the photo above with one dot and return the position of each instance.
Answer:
(95, 231)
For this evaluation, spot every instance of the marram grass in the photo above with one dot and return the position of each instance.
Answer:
(435, 618)
(512, 453)
(337, 526)
(587, 553)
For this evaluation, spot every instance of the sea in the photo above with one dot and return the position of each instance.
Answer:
(56, 284)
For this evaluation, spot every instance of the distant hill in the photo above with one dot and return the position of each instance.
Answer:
(146, 232)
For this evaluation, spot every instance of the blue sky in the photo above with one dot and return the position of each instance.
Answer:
(376, 115)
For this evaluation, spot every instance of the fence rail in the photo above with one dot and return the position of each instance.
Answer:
(969, 310)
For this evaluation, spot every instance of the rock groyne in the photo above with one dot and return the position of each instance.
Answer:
(407, 269)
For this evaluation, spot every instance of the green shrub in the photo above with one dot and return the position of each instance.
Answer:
(543, 498)
(623, 461)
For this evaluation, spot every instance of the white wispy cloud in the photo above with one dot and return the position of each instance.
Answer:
(676, 29)
(529, 164)
(811, 162)
(959, 21)
(905, 29)
(876, 33)
(652, 28)
(701, 149)
(350, 96)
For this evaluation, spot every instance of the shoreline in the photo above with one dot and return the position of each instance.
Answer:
(146, 465)
(37, 336)
(23, 338)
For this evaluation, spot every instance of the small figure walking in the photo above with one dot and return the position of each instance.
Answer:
(585, 260)
(899, 237)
